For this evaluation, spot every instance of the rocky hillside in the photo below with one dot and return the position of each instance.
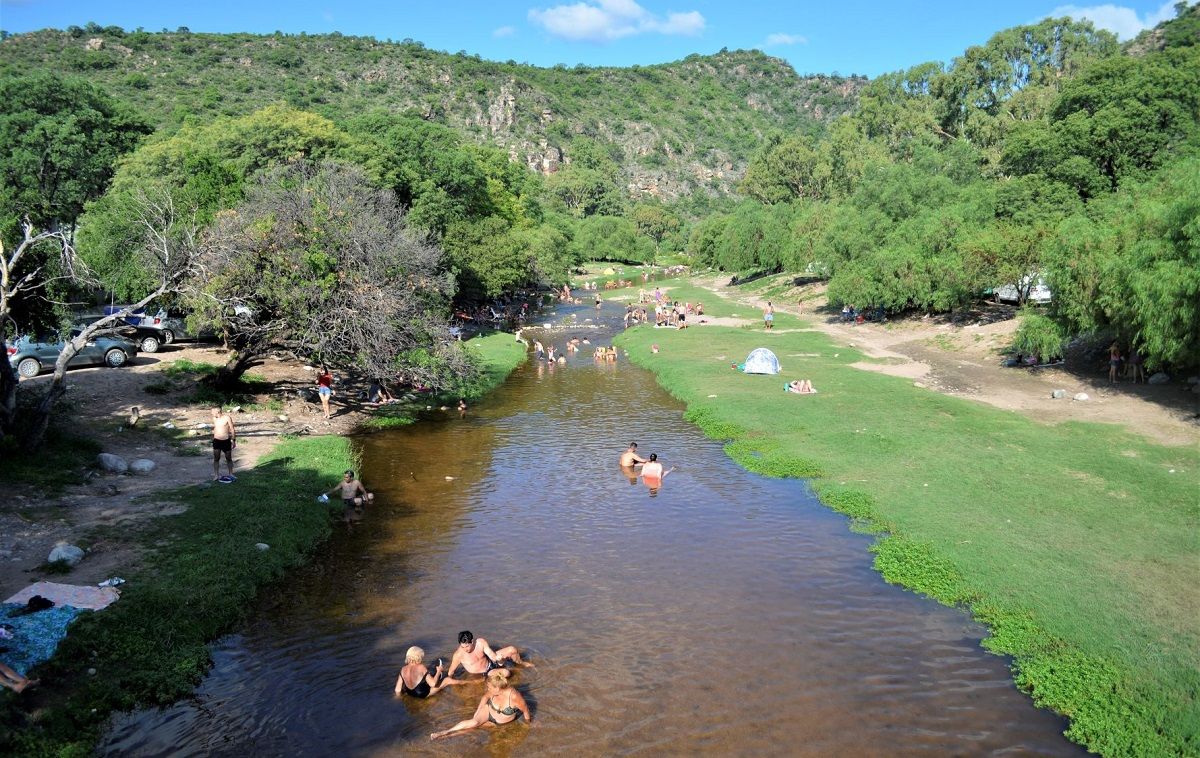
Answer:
(673, 128)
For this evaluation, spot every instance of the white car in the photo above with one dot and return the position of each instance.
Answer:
(1039, 293)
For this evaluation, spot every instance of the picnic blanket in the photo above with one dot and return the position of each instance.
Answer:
(35, 635)
(89, 598)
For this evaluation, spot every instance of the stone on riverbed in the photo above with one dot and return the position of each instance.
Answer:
(113, 464)
(1081, 396)
(1056, 394)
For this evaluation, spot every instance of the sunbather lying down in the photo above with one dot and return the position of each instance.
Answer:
(800, 387)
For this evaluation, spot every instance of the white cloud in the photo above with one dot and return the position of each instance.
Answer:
(1118, 19)
(608, 20)
(777, 39)
(504, 31)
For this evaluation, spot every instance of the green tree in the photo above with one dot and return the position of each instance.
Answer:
(59, 141)
(320, 261)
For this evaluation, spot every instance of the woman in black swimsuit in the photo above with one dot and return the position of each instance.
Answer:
(501, 704)
(415, 678)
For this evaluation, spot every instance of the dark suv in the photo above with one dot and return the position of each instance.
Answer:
(148, 338)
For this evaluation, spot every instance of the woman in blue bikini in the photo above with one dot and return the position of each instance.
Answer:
(501, 704)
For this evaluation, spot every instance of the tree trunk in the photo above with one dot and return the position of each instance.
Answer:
(8, 391)
(229, 375)
(36, 435)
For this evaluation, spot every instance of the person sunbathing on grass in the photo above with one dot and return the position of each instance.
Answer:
(800, 387)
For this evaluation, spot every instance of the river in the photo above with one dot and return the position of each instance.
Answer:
(725, 614)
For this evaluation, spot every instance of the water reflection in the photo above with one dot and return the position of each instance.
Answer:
(731, 615)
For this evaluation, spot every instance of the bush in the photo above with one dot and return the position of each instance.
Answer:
(1039, 336)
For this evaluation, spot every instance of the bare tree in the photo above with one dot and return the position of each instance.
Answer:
(23, 276)
(320, 262)
(166, 247)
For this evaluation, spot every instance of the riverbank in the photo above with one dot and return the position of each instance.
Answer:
(192, 572)
(1075, 544)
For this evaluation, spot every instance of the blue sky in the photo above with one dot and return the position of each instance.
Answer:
(851, 36)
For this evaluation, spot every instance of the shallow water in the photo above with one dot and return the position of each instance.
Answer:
(725, 614)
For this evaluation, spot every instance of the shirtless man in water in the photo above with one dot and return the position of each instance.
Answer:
(354, 494)
(476, 656)
(224, 441)
(630, 456)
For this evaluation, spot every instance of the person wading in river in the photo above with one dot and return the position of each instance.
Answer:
(477, 657)
(653, 474)
(354, 494)
(501, 704)
(630, 456)
(416, 680)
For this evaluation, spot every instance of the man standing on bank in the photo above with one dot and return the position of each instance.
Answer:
(224, 441)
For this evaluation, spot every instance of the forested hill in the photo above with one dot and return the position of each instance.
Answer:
(672, 128)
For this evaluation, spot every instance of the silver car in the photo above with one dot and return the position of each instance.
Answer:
(29, 356)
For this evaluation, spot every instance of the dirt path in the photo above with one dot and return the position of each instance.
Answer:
(99, 513)
(964, 360)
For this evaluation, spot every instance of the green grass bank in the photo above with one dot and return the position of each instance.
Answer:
(197, 582)
(1078, 545)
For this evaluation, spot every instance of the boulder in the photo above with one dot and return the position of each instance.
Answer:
(1159, 378)
(113, 464)
(142, 466)
(65, 552)
(1081, 396)
(262, 546)
(1056, 394)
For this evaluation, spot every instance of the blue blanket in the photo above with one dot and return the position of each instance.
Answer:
(35, 635)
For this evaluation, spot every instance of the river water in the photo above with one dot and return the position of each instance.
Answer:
(725, 614)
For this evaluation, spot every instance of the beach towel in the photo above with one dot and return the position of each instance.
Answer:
(35, 635)
(83, 597)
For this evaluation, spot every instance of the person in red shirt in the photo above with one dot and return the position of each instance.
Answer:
(325, 389)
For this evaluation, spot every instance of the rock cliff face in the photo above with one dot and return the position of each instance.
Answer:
(674, 128)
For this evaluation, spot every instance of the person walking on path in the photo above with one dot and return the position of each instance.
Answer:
(224, 440)
(769, 315)
(325, 389)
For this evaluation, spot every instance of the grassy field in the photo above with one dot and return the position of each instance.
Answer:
(1079, 545)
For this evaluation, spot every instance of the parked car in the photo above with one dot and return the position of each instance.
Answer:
(29, 356)
(1039, 293)
(173, 323)
(148, 338)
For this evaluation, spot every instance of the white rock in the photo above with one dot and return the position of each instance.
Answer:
(1081, 396)
(283, 417)
(1159, 378)
(142, 466)
(113, 464)
(67, 553)
(262, 546)
(167, 425)
(1056, 394)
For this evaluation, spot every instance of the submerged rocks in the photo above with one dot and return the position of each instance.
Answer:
(113, 464)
